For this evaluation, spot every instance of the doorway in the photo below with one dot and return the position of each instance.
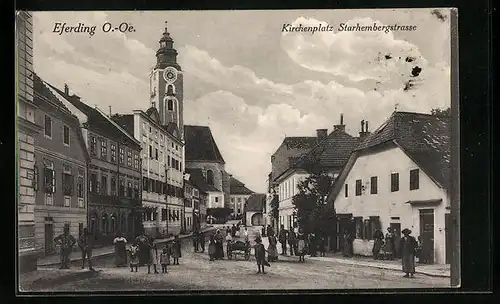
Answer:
(49, 238)
(447, 236)
(396, 230)
(427, 235)
(343, 223)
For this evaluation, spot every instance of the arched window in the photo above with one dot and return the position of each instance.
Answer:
(104, 224)
(170, 105)
(210, 177)
(114, 220)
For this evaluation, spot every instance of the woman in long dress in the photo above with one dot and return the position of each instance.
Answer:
(153, 256)
(389, 243)
(378, 241)
(272, 250)
(120, 250)
(301, 246)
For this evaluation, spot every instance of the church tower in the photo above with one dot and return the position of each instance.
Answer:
(166, 84)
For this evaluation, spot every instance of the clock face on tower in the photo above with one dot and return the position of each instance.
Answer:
(170, 75)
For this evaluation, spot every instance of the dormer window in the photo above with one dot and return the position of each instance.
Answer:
(163, 44)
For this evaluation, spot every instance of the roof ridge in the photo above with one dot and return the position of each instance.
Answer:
(117, 125)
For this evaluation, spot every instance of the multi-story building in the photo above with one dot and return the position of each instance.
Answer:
(60, 170)
(28, 130)
(399, 177)
(203, 156)
(200, 190)
(239, 195)
(114, 171)
(329, 154)
(191, 206)
(162, 170)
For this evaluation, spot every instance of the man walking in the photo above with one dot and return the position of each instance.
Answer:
(282, 239)
(292, 242)
(66, 241)
(85, 244)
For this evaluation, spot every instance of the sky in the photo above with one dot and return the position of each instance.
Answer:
(251, 83)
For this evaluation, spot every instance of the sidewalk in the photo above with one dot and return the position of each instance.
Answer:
(103, 251)
(434, 270)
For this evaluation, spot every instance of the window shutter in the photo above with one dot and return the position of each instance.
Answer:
(35, 178)
(53, 181)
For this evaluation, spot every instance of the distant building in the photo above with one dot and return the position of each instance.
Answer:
(114, 172)
(28, 130)
(203, 155)
(162, 170)
(239, 194)
(398, 177)
(254, 210)
(199, 196)
(60, 170)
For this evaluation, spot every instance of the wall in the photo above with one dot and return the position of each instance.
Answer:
(238, 200)
(217, 168)
(287, 188)
(387, 204)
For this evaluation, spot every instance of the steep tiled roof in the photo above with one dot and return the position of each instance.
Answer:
(255, 203)
(424, 138)
(97, 120)
(126, 121)
(200, 144)
(197, 179)
(303, 142)
(333, 151)
(237, 187)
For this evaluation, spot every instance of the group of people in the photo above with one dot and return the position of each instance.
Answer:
(66, 243)
(383, 243)
(144, 251)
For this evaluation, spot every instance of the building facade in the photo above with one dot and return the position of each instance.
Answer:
(28, 130)
(162, 170)
(239, 194)
(409, 191)
(61, 159)
(254, 210)
(114, 172)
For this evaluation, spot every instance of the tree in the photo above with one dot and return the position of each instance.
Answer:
(314, 214)
(441, 112)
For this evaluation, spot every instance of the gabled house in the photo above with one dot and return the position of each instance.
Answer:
(254, 210)
(329, 153)
(239, 194)
(398, 177)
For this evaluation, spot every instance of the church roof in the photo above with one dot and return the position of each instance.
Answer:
(201, 145)
(198, 180)
(255, 203)
(237, 187)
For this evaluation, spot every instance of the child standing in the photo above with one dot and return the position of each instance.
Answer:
(322, 246)
(134, 257)
(176, 250)
(301, 247)
(165, 259)
(212, 248)
(260, 255)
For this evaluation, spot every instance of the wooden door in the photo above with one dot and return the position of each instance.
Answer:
(396, 230)
(447, 235)
(427, 234)
(49, 239)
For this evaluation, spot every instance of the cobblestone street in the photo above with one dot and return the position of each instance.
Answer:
(196, 272)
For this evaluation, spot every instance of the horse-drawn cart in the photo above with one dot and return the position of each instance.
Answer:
(238, 248)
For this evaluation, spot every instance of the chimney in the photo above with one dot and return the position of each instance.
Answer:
(66, 89)
(364, 129)
(341, 126)
(321, 134)
(109, 111)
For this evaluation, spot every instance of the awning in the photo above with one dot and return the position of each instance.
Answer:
(425, 202)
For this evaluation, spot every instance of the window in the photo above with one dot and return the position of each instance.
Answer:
(113, 152)
(93, 146)
(66, 135)
(161, 137)
(373, 185)
(394, 182)
(93, 182)
(210, 177)
(168, 160)
(358, 222)
(104, 149)
(136, 161)
(67, 201)
(358, 187)
(67, 183)
(232, 199)
(104, 184)
(150, 151)
(48, 126)
(367, 230)
(122, 156)
(81, 180)
(145, 183)
(346, 190)
(136, 189)
(129, 158)
(163, 215)
(414, 182)
(129, 189)
(122, 188)
(49, 176)
(35, 177)
(156, 153)
(216, 199)
(150, 130)
(170, 105)
(113, 185)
